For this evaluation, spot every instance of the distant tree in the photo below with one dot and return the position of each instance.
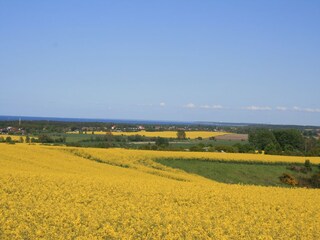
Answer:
(315, 180)
(73, 129)
(311, 145)
(272, 148)
(196, 148)
(181, 134)
(27, 139)
(261, 138)
(45, 139)
(290, 137)
(307, 165)
(21, 140)
(244, 148)
(162, 142)
(8, 139)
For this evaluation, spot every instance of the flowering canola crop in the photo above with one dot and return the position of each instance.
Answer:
(14, 137)
(51, 192)
(173, 134)
(166, 134)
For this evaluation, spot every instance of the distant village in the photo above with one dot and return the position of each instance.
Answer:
(12, 131)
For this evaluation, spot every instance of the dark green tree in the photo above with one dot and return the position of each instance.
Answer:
(162, 142)
(290, 137)
(307, 165)
(43, 138)
(181, 134)
(261, 138)
(272, 148)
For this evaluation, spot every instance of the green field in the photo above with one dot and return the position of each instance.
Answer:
(235, 172)
(189, 143)
(73, 138)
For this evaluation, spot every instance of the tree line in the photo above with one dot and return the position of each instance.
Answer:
(284, 141)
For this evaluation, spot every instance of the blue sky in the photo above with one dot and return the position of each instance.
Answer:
(234, 61)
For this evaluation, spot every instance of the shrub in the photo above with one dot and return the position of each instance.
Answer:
(307, 165)
(244, 148)
(196, 148)
(288, 179)
(162, 142)
(226, 148)
(315, 180)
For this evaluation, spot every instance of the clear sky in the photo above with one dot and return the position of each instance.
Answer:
(234, 61)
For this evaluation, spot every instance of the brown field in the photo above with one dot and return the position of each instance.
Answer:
(233, 136)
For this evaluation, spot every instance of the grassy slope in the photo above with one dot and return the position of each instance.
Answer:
(232, 172)
(190, 143)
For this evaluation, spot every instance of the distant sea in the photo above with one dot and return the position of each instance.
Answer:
(128, 121)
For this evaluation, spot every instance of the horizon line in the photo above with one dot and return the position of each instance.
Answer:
(149, 121)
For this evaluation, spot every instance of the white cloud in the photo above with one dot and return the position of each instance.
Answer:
(311, 110)
(282, 108)
(190, 105)
(205, 106)
(211, 107)
(162, 104)
(217, 107)
(257, 108)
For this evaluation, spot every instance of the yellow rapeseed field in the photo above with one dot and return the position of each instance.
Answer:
(13, 137)
(173, 134)
(166, 134)
(51, 192)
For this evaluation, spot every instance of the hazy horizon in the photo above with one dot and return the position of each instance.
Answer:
(137, 121)
(239, 62)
